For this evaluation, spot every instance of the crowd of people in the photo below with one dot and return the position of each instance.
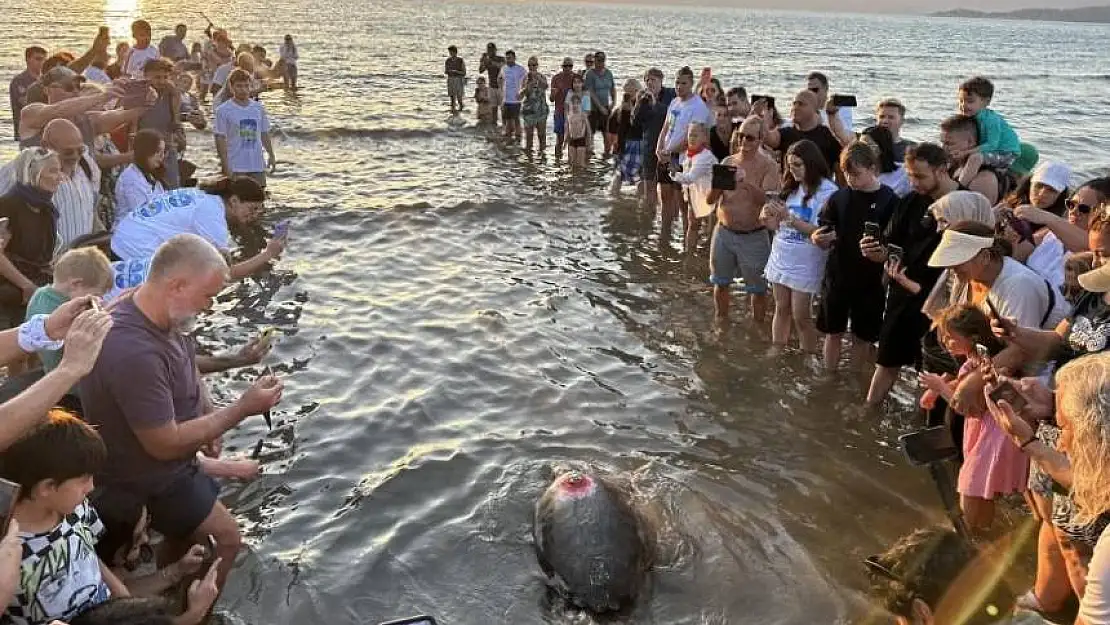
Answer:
(112, 247)
(967, 257)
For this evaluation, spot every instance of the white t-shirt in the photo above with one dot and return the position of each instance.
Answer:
(513, 75)
(243, 127)
(1021, 294)
(844, 113)
(95, 74)
(127, 274)
(1094, 608)
(680, 113)
(697, 179)
(133, 190)
(795, 262)
(140, 232)
(137, 58)
(898, 181)
(1047, 260)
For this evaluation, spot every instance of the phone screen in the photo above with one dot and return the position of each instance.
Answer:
(929, 445)
(724, 178)
(871, 229)
(1010, 394)
(281, 229)
(9, 494)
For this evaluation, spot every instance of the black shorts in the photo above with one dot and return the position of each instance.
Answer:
(580, 142)
(597, 121)
(900, 336)
(650, 163)
(663, 173)
(863, 306)
(511, 112)
(176, 510)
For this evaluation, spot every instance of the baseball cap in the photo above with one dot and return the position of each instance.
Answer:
(568, 62)
(1052, 174)
(60, 74)
(956, 248)
(1096, 280)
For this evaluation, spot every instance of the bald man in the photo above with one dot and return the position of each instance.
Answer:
(806, 123)
(146, 398)
(77, 196)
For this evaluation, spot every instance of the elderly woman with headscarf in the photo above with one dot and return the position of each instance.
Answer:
(30, 214)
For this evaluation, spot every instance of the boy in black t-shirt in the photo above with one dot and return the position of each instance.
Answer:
(853, 286)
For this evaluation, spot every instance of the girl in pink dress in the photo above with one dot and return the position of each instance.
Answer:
(993, 465)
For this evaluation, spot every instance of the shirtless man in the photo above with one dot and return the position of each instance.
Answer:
(740, 241)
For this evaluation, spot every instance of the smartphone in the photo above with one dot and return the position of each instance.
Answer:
(770, 100)
(266, 415)
(134, 93)
(423, 619)
(724, 178)
(257, 452)
(929, 445)
(4, 226)
(9, 494)
(281, 230)
(982, 351)
(1010, 394)
(94, 304)
(895, 252)
(872, 229)
(994, 311)
(210, 547)
(842, 101)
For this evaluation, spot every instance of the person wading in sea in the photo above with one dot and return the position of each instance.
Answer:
(740, 242)
(492, 63)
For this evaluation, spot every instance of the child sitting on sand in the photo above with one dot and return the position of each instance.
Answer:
(998, 143)
(578, 132)
(481, 98)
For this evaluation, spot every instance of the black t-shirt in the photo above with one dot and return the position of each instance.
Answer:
(821, 135)
(1088, 328)
(908, 230)
(720, 147)
(33, 228)
(454, 66)
(845, 212)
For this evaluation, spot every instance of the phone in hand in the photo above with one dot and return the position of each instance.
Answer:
(9, 495)
(1007, 391)
(135, 93)
(5, 227)
(267, 372)
(724, 178)
(895, 253)
(423, 619)
(842, 101)
(994, 311)
(982, 351)
(281, 230)
(769, 99)
(929, 445)
(872, 229)
(210, 548)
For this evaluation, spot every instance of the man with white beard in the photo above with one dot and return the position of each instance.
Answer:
(147, 400)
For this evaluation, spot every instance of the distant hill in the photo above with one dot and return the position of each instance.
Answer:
(1099, 15)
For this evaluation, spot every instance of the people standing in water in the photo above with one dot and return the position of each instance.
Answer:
(483, 102)
(533, 108)
(578, 132)
(289, 57)
(454, 68)
(561, 83)
(491, 63)
(512, 80)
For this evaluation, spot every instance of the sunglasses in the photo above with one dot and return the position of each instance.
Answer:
(747, 137)
(568, 66)
(815, 89)
(533, 65)
(1079, 207)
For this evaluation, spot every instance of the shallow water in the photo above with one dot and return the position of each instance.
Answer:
(456, 316)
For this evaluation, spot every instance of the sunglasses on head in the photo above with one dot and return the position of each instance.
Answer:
(1077, 206)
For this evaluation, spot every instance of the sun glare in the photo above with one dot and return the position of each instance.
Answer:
(118, 15)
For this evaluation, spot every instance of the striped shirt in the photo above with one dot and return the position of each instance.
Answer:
(76, 200)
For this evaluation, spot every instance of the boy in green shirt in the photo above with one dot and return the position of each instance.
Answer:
(79, 272)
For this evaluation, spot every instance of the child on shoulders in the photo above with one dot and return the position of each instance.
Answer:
(999, 145)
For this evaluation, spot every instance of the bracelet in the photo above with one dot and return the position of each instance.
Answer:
(33, 337)
(1032, 439)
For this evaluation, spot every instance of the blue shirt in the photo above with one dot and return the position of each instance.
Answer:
(601, 85)
(995, 135)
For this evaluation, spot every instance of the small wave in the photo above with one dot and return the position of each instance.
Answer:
(379, 134)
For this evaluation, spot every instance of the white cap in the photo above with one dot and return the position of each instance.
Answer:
(956, 248)
(1052, 174)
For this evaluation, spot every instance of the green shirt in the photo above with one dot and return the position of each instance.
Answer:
(44, 301)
